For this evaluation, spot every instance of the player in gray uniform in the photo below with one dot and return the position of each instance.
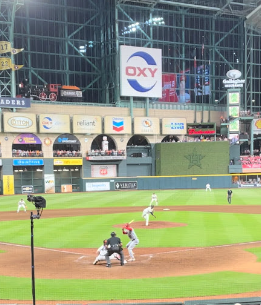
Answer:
(127, 229)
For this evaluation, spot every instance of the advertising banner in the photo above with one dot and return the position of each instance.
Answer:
(49, 183)
(256, 126)
(54, 123)
(201, 129)
(104, 171)
(126, 185)
(87, 124)
(145, 125)
(8, 185)
(140, 71)
(67, 162)
(97, 186)
(175, 126)
(13, 102)
(66, 188)
(27, 189)
(27, 138)
(28, 162)
(117, 125)
(169, 86)
(19, 122)
(67, 139)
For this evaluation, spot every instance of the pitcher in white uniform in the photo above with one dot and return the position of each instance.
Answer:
(146, 213)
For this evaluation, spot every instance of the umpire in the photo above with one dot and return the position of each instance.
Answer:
(114, 245)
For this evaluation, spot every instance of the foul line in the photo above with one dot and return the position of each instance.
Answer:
(157, 253)
(204, 248)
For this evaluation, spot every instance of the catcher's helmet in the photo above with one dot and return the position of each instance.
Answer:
(113, 234)
(105, 241)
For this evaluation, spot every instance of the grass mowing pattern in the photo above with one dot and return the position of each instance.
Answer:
(204, 229)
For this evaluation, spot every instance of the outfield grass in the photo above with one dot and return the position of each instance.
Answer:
(203, 229)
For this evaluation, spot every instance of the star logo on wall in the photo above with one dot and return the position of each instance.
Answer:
(194, 159)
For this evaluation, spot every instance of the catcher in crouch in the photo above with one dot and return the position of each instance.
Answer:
(127, 229)
(103, 251)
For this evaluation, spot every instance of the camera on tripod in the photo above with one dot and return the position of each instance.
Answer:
(38, 201)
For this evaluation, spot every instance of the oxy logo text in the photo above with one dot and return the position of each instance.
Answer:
(141, 72)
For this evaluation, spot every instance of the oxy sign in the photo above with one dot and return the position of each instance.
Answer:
(140, 72)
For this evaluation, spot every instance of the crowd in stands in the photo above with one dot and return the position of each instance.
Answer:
(67, 153)
(250, 160)
(26, 153)
(99, 152)
(196, 139)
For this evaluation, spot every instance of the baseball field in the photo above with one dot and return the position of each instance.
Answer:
(198, 246)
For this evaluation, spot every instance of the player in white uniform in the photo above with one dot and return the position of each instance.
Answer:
(102, 251)
(21, 204)
(154, 198)
(208, 187)
(127, 229)
(146, 213)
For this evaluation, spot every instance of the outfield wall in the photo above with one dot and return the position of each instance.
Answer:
(158, 183)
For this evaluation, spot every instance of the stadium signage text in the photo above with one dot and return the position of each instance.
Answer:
(12, 102)
(233, 81)
(200, 132)
(141, 71)
(128, 185)
(20, 122)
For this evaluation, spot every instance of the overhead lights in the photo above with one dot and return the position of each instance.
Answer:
(155, 21)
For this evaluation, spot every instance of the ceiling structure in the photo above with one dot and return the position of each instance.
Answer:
(249, 9)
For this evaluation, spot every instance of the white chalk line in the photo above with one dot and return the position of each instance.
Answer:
(45, 249)
(203, 248)
(150, 255)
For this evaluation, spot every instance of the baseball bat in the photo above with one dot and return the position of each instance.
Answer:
(131, 221)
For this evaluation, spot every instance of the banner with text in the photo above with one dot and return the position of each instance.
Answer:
(140, 71)
(145, 125)
(19, 122)
(54, 123)
(87, 124)
(104, 171)
(49, 183)
(117, 125)
(174, 126)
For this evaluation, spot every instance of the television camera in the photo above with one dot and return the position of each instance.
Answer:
(39, 202)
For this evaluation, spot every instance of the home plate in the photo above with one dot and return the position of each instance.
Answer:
(166, 209)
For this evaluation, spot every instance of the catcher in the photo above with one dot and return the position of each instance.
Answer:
(127, 229)
(21, 204)
(146, 214)
(103, 251)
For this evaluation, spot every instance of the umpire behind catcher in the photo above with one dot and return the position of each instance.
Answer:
(114, 245)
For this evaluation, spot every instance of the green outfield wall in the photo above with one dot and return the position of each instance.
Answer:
(192, 158)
